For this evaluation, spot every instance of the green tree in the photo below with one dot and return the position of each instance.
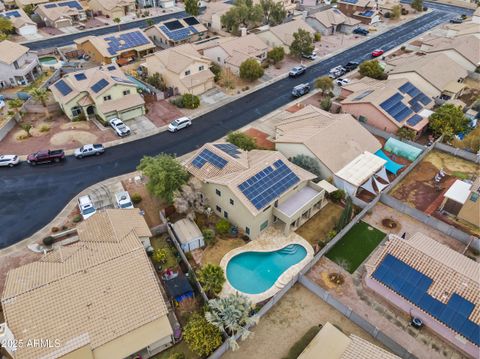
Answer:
(212, 278)
(470, 142)
(232, 315)
(165, 175)
(223, 226)
(302, 43)
(276, 54)
(324, 84)
(251, 70)
(191, 7)
(157, 81)
(190, 101)
(448, 121)
(308, 163)
(6, 25)
(27, 128)
(201, 336)
(273, 12)
(326, 104)
(346, 215)
(159, 255)
(317, 37)
(29, 9)
(149, 22)
(396, 11)
(373, 69)
(417, 5)
(209, 236)
(337, 196)
(405, 133)
(117, 21)
(217, 70)
(242, 140)
(41, 95)
(16, 105)
(244, 13)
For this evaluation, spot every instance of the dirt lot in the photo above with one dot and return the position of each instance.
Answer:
(284, 324)
(317, 227)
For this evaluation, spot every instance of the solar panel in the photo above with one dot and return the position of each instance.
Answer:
(50, 6)
(229, 149)
(173, 25)
(125, 41)
(350, 1)
(71, 4)
(80, 76)
(268, 184)
(14, 13)
(191, 21)
(111, 68)
(63, 87)
(99, 85)
(368, 13)
(412, 121)
(208, 156)
(424, 99)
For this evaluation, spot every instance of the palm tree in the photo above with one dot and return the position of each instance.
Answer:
(41, 95)
(211, 278)
(231, 315)
(16, 105)
(117, 21)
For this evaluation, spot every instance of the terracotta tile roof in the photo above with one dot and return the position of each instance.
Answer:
(11, 51)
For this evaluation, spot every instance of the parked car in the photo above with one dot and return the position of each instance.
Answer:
(9, 160)
(123, 200)
(457, 20)
(46, 156)
(361, 31)
(301, 90)
(119, 127)
(297, 71)
(179, 123)
(2, 104)
(377, 52)
(86, 207)
(89, 150)
(351, 65)
(311, 56)
(342, 82)
(336, 72)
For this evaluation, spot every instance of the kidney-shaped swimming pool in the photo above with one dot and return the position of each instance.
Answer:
(255, 272)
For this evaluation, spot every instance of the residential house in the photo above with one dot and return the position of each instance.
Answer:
(121, 47)
(343, 149)
(364, 10)
(18, 65)
(427, 73)
(212, 15)
(174, 32)
(182, 68)
(282, 35)
(112, 8)
(61, 14)
(288, 5)
(430, 281)
(22, 3)
(104, 92)
(331, 21)
(23, 25)
(105, 293)
(387, 105)
(461, 200)
(255, 189)
(233, 51)
(332, 343)
(465, 28)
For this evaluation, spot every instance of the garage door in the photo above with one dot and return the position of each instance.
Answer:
(128, 115)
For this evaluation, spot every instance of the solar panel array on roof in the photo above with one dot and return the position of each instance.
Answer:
(210, 157)
(99, 85)
(368, 13)
(50, 6)
(125, 41)
(63, 87)
(173, 25)
(111, 68)
(180, 34)
(396, 108)
(81, 76)
(13, 13)
(191, 21)
(350, 1)
(412, 121)
(268, 184)
(418, 97)
(413, 286)
(71, 4)
(229, 149)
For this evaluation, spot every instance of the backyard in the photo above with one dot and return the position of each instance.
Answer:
(355, 246)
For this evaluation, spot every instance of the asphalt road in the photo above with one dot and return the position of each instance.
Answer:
(30, 197)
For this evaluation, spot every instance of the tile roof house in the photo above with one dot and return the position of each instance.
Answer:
(387, 105)
(428, 74)
(432, 282)
(112, 8)
(212, 15)
(61, 13)
(255, 189)
(183, 69)
(104, 92)
(364, 10)
(332, 343)
(331, 21)
(120, 47)
(22, 3)
(462, 200)
(96, 298)
(23, 25)
(18, 65)
(174, 32)
(233, 51)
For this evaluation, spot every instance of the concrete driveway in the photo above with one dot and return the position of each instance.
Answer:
(141, 125)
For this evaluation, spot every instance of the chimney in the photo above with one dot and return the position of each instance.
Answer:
(243, 31)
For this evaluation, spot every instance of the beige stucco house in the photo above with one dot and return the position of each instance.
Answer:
(331, 21)
(174, 32)
(112, 8)
(22, 3)
(22, 24)
(462, 200)
(61, 14)
(183, 69)
(255, 189)
(212, 15)
(103, 92)
(282, 35)
(18, 65)
(97, 298)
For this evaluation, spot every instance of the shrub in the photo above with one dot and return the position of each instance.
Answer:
(190, 101)
(209, 236)
(251, 70)
(223, 226)
(44, 128)
(201, 336)
(242, 140)
(136, 198)
(212, 278)
(227, 79)
(55, 229)
(404, 11)
(372, 69)
(405, 133)
(177, 356)
(317, 37)
(276, 54)
(331, 234)
(77, 218)
(160, 255)
(387, 15)
(48, 241)
(337, 196)
(326, 104)
(217, 70)
(308, 163)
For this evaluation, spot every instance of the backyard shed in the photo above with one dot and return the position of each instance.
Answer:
(188, 234)
(179, 288)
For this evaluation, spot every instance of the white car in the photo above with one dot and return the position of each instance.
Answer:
(9, 160)
(311, 56)
(119, 127)
(2, 104)
(86, 207)
(179, 123)
(342, 82)
(123, 200)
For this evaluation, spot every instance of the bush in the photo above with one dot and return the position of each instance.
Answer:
(405, 133)
(160, 255)
(308, 163)
(326, 104)
(212, 278)
(136, 198)
(77, 218)
(331, 234)
(251, 70)
(177, 102)
(317, 37)
(372, 69)
(227, 79)
(387, 15)
(276, 54)
(209, 236)
(201, 337)
(44, 128)
(404, 11)
(48, 241)
(217, 70)
(223, 226)
(337, 196)
(242, 140)
(177, 356)
(55, 229)
(190, 101)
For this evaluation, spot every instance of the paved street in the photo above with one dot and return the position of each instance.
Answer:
(30, 197)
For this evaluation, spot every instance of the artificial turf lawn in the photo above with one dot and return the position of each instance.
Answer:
(355, 246)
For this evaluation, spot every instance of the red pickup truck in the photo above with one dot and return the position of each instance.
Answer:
(46, 156)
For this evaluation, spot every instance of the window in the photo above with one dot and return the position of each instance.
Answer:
(126, 92)
(107, 98)
(218, 209)
(219, 60)
(232, 202)
(247, 230)
(474, 197)
(76, 111)
(225, 214)
(201, 68)
(187, 72)
(218, 192)
(264, 225)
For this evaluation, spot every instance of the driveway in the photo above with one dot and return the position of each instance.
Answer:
(141, 125)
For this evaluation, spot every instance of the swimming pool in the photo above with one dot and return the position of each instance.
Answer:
(255, 272)
(48, 60)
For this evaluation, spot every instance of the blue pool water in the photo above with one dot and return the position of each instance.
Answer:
(255, 272)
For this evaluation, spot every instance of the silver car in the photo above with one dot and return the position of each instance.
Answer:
(89, 150)
(9, 160)
(119, 127)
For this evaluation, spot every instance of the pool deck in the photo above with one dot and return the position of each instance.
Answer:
(270, 240)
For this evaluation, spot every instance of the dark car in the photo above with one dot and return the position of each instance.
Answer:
(361, 31)
(46, 156)
(457, 20)
(351, 65)
(301, 90)
(297, 71)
